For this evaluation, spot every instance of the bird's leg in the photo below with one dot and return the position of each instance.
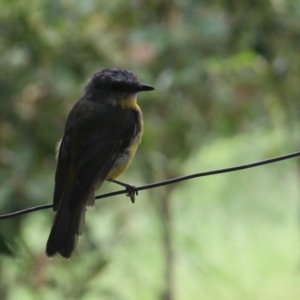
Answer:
(131, 190)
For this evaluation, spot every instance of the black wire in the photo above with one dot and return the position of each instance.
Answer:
(25, 211)
(165, 182)
(202, 174)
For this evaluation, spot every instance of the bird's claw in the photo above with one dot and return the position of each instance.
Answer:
(131, 192)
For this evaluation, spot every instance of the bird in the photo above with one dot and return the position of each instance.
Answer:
(102, 133)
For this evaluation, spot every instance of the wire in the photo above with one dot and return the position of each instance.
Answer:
(165, 182)
(25, 211)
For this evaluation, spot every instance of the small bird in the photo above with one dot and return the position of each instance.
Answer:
(101, 136)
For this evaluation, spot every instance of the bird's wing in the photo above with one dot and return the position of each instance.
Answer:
(90, 146)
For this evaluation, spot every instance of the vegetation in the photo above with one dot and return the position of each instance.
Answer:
(226, 75)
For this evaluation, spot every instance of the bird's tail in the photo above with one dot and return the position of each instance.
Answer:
(67, 226)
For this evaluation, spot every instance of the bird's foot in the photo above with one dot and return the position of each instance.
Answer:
(131, 190)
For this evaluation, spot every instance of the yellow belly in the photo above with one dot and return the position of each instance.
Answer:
(123, 161)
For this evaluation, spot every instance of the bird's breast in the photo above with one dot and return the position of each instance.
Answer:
(126, 155)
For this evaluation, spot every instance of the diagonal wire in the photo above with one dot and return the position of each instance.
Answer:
(165, 182)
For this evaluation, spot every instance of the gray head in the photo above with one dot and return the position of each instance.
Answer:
(112, 85)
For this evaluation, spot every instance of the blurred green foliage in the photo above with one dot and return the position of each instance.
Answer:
(226, 75)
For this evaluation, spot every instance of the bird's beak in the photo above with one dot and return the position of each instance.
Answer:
(145, 87)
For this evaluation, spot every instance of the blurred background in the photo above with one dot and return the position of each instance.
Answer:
(226, 75)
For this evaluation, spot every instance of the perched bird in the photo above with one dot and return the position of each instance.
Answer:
(101, 136)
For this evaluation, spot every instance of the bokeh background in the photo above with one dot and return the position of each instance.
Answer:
(227, 79)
